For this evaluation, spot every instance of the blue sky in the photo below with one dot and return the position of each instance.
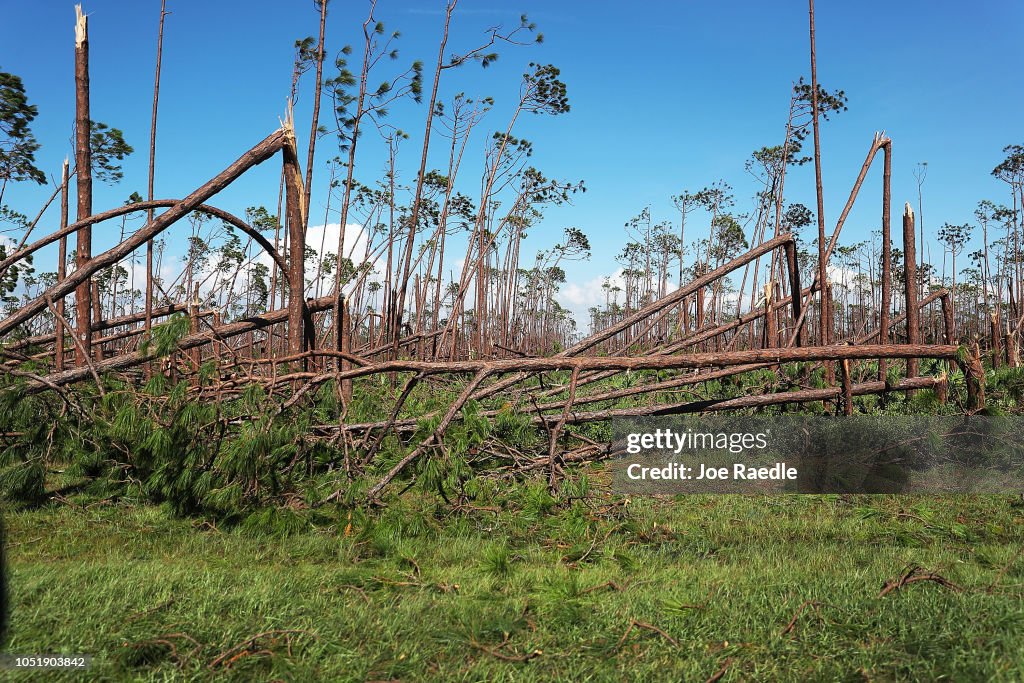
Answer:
(664, 95)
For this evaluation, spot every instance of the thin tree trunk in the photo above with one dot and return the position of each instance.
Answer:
(61, 270)
(825, 312)
(883, 324)
(910, 285)
(261, 152)
(418, 196)
(350, 169)
(152, 162)
(83, 169)
(314, 126)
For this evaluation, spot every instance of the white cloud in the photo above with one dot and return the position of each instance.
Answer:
(323, 239)
(579, 297)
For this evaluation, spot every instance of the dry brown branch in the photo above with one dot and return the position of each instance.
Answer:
(1002, 572)
(913, 574)
(261, 152)
(434, 438)
(792, 622)
(652, 308)
(718, 675)
(248, 646)
(650, 627)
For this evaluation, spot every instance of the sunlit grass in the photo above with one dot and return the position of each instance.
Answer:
(419, 592)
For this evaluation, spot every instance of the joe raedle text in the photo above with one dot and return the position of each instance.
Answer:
(700, 457)
(779, 471)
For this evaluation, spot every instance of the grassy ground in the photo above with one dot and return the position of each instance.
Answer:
(783, 588)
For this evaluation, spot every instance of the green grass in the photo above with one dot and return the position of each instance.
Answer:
(418, 592)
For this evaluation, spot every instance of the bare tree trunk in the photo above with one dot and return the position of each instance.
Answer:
(314, 126)
(261, 152)
(350, 170)
(297, 239)
(418, 196)
(346, 347)
(947, 315)
(974, 374)
(996, 332)
(152, 162)
(847, 387)
(793, 265)
(825, 313)
(883, 318)
(910, 285)
(83, 168)
(771, 332)
(61, 270)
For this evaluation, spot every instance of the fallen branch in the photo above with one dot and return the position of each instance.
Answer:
(913, 574)
(261, 152)
(650, 627)
(231, 655)
(792, 622)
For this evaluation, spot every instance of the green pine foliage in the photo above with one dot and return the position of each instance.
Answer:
(241, 458)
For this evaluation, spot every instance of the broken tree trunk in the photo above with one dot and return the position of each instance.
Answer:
(757, 401)
(142, 206)
(294, 198)
(650, 309)
(793, 265)
(947, 316)
(974, 374)
(653, 362)
(83, 169)
(883, 318)
(99, 325)
(770, 321)
(1011, 348)
(192, 341)
(261, 152)
(876, 144)
(996, 332)
(912, 312)
(847, 387)
(345, 386)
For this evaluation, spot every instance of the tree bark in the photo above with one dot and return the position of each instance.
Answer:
(825, 314)
(912, 312)
(83, 169)
(314, 126)
(192, 341)
(152, 164)
(296, 240)
(947, 315)
(261, 152)
(62, 263)
(883, 318)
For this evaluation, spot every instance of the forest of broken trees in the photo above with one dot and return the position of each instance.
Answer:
(268, 367)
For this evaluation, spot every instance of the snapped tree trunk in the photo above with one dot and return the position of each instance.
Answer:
(83, 169)
(261, 152)
(295, 213)
(910, 285)
(883, 318)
